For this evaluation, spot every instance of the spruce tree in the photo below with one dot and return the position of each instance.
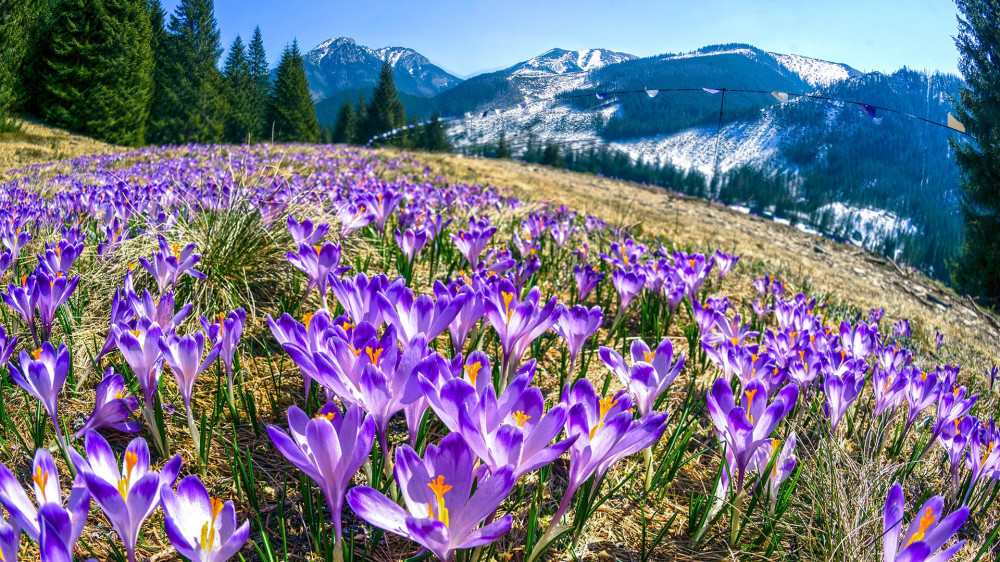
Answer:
(433, 137)
(262, 81)
(346, 129)
(96, 71)
(17, 18)
(156, 130)
(196, 107)
(385, 112)
(503, 147)
(242, 121)
(361, 134)
(977, 270)
(292, 113)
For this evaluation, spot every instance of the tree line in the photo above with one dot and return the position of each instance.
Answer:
(123, 72)
(360, 122)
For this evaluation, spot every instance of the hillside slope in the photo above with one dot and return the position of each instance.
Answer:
(812, 263)
(38, 143)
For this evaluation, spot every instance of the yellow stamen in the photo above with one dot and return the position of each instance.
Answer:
(507, 299)
(750, 394)
(604, 405)
(373, 354)
(41, 478)
(775, 444)
(925, 522)
(307, 318)
(131, 459)
(473, 371)
(439, 488)
(520, 417)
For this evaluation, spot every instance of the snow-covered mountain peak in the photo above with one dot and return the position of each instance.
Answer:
(815, 72)
(562, 61)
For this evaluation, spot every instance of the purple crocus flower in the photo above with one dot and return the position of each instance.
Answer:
(59, 258)
(902, 330)
(890, 388)
(413, 315)
(43, 375)
(411, 241)
(329, 448)
(10, 540)
(317, 262)
(517, 322)
(471, 312)
(357, 295)
(587, 278)
(921, 392)
(304, 232)
(938, 339)
(576, 325)
(841, 392)
(650, 374)
(184, 355)
(725, 262)
(141, 349)
(628, 284)
(745, 427)
(442, 514)
(158, 311)
(113, 406)
(45, 480)
(127, 495)
(471, 242)
(121, 311)
(170, 263)
(509, 430)
(955, 441)
(53, 291)
(227, 333)
(374, 374)
(353, 217)
(23, 299)
(200, 527)
(926, 534)
(606, 431)
(784, 464)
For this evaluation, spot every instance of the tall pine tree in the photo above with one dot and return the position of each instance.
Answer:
(242, 121)
(361, 135)
(385, 112)
(157, 125)
(292, 113)
(977, 270)
(96, 71)
(17, 17)
(195, 101)
(433, 137)
(346, 129)
(262, 81)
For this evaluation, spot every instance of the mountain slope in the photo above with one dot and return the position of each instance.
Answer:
(561, 61)
(340, 64)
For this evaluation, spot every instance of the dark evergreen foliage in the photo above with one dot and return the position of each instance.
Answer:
(346, 130)
(977, 270)
(96, 73)
(292, 114)
(195, 105)
(385, 110)
(243, 122)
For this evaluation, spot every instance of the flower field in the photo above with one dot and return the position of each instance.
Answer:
(322, 353)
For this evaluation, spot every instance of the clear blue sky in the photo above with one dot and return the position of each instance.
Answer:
(469, 36)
